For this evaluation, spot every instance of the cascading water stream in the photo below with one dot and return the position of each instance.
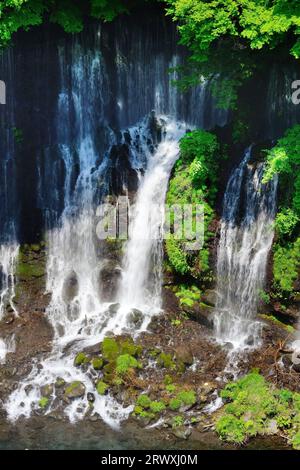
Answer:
(142, 273)
(9, 248)
(245, 241)
(76, 311)
(8, 258)
(102, 104)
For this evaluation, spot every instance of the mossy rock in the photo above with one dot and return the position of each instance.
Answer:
(47, 390)
(60, 382)
(157, 407)
(166, 361)
(25, 271)
(102, 387)
(128, 347)
(81, 359)
(143, 401)
(35, 247)
(75, 389)
(110, 349)
(43, 403)
(97, 363)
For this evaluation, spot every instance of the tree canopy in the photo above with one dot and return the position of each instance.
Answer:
(17, 14)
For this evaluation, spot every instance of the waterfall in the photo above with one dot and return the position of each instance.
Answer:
(142, 273)
(8, 257)
(9, 248)
(77, 313)
(246, 237)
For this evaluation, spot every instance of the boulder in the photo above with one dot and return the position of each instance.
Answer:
(74, 390)
(135, 318)
(296, 360)
(47, 390)
(202, 314)
(209, 297)
(113, 308)
(90, 397)
(182, 432)
(184, 354)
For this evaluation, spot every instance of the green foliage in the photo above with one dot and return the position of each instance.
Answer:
(284, 160)
(254, 404)
(18, 135)
(175, 404)
(141, 413)
(170, 388)
(97, 363)
(128, 347)
(231, 429)
(43, 402)
(168, 380)
(240, 131)
(177, 256)
(101, 387)
(285, 222)
(277, 322)
(80, 359)
(187, 397)
(228, 32)
(177, 421)
(69, 14)
(107, 9)
(166, 361)
(188, 295)
(126, 362)
(296, 441)
(143, 401)
(285, 395)
(157, 406)
(264, 296)
(110, 349)
(286, 265)
(194, 182)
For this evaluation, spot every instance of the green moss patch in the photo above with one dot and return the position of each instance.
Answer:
(43, 402)
(102, 387)
(80, 359)
(255, 407)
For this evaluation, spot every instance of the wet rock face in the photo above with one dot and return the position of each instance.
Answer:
(296, 360)
(135, 318)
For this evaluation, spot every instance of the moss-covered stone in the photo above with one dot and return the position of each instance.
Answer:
(97, 363)
(80, 359)
(110, 349)
(273, 319)
(75, 389)
(43, 403)
(157, 407)
(175, 404)
(102, 387)
(166, 361)
(143, 401)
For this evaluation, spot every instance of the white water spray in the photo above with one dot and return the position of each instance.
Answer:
(8, 258)
(245, 241)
